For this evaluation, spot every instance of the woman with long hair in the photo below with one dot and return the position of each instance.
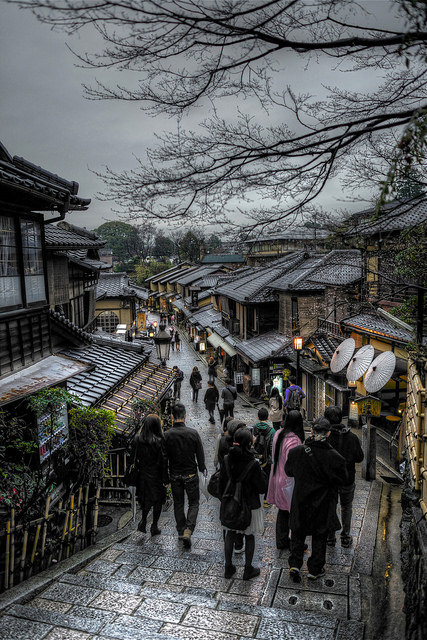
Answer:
(275, 408)
(196, 383)
(236, 462)
(151, 462)
(280, 487)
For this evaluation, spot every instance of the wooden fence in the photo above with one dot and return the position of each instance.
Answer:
(416, 433)
(29, 547)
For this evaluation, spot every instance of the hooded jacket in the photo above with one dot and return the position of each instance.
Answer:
(347, 444)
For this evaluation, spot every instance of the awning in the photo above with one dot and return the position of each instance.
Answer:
(46, 373)
(216, 341)
(337, 385)
(150, 383)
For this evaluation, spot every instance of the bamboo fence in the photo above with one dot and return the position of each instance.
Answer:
(64, 529)
(416, 433)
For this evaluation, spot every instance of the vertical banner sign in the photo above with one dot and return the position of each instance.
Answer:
(194, 298)
(256, 377)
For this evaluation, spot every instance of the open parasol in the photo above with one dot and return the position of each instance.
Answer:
(342, 355)
(380, 371)
(360, 362)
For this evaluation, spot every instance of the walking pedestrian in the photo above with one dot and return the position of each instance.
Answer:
(177, 340)
(318, 470)
(228, 394)
(211, 399)
(212, 370)
(275, 408)
(240, 462)
(280, 487)
(185, 456)
(293, 397)
(263, 434)
(151, 463)
(179, 377)
(196, 383)
(173, 340)
(347, 444)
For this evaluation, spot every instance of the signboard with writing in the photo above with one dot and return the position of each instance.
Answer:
(142, 320)
(194, 298)
(368, 406)
(238, 378)
(52, 437)
(256, 377)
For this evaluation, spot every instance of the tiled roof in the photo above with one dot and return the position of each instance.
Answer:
(80, 258)
(377, 325)
(64, 239)
(325, 345)
(195, 274)
(261, 347)
(40, 189)
(61, 321)
(393, 217)
(315, 272)
(292, 233)
(168, 272)
(207, 317)
(112, 366)
(114, 285)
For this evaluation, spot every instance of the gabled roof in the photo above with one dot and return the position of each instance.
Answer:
(292, 233)
(195, 274)
(315, 272)
(116, 285)
(393, 217)
(31, 186)
(376, 325)
(325, 345)
(176, 268)
(68, 327)
(254, 283)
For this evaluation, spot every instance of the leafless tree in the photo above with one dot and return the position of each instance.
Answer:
(255, 140)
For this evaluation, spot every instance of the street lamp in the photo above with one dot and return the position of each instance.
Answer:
(298, 347)
(162, 340)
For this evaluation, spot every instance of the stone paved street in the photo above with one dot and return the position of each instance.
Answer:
(152, 588)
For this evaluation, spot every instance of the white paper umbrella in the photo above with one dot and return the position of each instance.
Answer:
(342, 355)
(360, 362)
(380, 371)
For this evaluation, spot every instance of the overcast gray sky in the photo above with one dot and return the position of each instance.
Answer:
(46, 119)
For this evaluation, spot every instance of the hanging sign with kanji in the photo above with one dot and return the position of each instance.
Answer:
(368, 406)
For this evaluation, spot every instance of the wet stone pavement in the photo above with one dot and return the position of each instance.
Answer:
(152, 588)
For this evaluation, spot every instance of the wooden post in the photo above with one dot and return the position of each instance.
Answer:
(369, 446)
(46, 518)
(70, 526)
(7, 556)
(23, 556)
(12, 547)
(33, 553)
(95, 514)
(85, 514)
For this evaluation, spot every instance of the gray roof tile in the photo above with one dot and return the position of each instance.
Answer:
(372, 323)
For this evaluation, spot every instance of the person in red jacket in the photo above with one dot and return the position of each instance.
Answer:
(348, 445)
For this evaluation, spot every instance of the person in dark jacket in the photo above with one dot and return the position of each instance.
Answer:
(348, 445)
(293, 396)
(211, 399)
(228, 394)
(196, 383)
(151, 462)
(185, 454)
(212, 370)
(318, 470)
(179, 377)
(238, 458)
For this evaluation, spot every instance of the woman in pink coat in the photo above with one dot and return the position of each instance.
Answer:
(280, 487)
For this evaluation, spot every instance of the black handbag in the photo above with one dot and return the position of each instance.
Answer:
(131, 475)
(213, 485)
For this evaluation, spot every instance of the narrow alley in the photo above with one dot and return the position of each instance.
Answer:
(152, 588)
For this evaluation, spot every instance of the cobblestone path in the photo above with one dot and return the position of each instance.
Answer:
(153, 589)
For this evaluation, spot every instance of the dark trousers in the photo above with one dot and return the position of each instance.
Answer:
(211, 413)
(177, 389)
(180, 486)
(346, 496)
(228, 410)
(316, 561)
(282, 529)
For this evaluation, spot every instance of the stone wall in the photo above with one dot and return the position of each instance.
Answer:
(414, 566)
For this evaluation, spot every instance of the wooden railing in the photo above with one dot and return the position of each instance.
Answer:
(27, 548)
(416, 433)
(333, 328)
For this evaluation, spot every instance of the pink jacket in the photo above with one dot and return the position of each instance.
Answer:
(280, 485)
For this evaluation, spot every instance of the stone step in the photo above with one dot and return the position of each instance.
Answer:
(113, 608)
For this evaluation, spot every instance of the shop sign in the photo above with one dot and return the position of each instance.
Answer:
(238, 378)
(256, 377)
(368, 406)
(50, 440)
(278, 383)
(353, 414)
(142, 320)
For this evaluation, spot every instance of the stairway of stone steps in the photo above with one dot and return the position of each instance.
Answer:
(151, 588)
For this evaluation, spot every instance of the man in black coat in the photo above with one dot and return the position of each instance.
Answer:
(185, 454)
(348, 445)
(318, 470)
(211, 399)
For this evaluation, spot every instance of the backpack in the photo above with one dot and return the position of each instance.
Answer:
(294, 400)
(262, 446)
(180, 375)
(234, 512)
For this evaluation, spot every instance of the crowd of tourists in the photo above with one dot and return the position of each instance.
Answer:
(270, 463)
